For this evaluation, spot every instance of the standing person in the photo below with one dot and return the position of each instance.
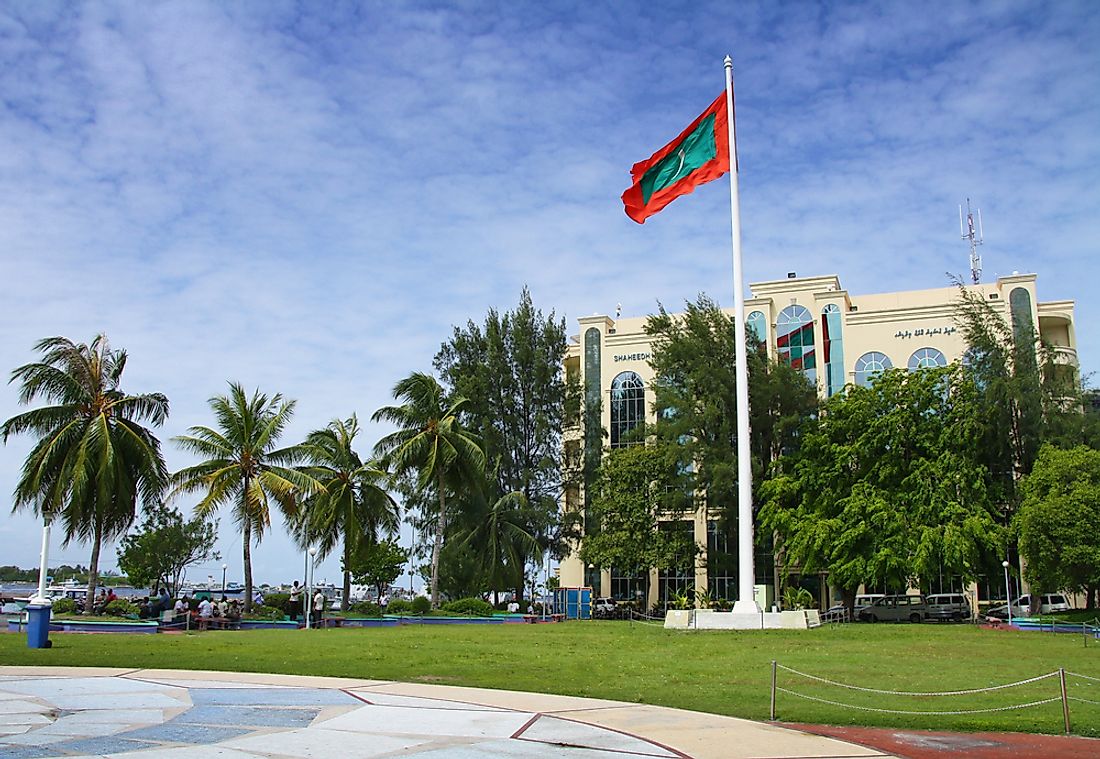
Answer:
(295, 601)
(318, 607)
(206, 611)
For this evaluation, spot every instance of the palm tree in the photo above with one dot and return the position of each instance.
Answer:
(242, 466)
(430, 440)
(353, 506)
(498, 535)
(93, 458)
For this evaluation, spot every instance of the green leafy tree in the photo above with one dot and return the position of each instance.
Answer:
(378, 564)
(353, 507)
(637, 488)
(93, 459)
(242, 467)
(165, 545)
(1022, 400)
(696, 399)
(888, 485)
(431, 441)
(1059, 522)
(510, 370)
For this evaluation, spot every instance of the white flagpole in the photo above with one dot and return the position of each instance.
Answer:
(746, 578)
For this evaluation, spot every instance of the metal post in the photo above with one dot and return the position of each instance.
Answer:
(746, 580)
(1065, 698)
(1008, 591)
(773, 691)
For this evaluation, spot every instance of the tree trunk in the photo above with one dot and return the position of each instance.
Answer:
(93, 570)
(438, 543)
(345, 601)
(247, 566)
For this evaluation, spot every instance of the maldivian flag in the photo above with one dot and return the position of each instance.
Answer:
(699, 155)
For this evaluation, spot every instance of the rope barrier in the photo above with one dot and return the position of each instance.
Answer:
(937, 712)
(968, 692)
(1083, 700)
(1083, 677)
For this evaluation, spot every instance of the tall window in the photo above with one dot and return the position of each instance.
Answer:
(678, 579)
(870, 364)
(758, 325)
(832, 339)
(721, 562)
(627, 407)
(926, 358)
(794, 339)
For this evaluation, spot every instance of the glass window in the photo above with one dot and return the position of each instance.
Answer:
(721, 562)
(832, 345)
(1019, 303)
(627, 407)
(628, 585)
(758, 325)
(678, 579)
(926, 358)
(870, 364)
(794, 339)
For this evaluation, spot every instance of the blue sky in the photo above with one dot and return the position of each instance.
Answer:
(305, 197)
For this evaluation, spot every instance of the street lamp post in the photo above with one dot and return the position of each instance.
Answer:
(224, 567)
(1008, 593)
(309, 593)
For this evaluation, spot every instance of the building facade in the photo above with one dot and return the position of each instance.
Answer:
(814, 324)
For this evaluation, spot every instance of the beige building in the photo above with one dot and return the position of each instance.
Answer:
(813, 323)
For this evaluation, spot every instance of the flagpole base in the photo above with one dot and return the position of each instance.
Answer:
(746, 606)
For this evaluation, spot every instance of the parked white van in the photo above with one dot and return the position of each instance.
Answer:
(1049, 603)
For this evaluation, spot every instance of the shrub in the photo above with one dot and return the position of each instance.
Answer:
(64, 606)
(120, 608)
(280, 601)
(265, 612)
(366, 609)
(398, 606)
(472, 606)
(421, 605)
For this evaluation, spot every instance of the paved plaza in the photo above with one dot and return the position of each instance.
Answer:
(163, 714)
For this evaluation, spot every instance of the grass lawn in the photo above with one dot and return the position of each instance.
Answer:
(721, 672)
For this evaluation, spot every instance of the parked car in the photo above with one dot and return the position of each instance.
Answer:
(896, 609)
(948, 606)
(604, 608)
(863, 600)
(1021, 607)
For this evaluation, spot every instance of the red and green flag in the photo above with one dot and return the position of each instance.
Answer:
(699, 155)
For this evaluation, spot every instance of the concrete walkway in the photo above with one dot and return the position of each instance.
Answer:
(169, 714)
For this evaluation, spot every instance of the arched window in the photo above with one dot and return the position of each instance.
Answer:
(794, 339)
(926, 358)
(758, 325)
(870, 364)
(832, 346)
(1019, 303)
(627, 406)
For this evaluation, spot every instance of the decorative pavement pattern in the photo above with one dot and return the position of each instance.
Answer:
(166, 714)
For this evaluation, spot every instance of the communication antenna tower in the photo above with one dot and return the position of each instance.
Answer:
(975, 237)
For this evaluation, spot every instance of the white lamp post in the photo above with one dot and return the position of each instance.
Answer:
(224, 567)
(309, 593)
(43, 560)
(1008, 592)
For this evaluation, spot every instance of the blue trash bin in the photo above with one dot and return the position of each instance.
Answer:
(38, 625)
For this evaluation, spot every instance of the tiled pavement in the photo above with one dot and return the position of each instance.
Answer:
(166, 714)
